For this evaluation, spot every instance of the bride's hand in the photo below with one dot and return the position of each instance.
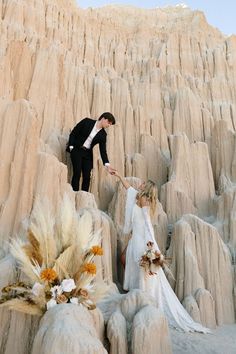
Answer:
(116, 173)
(122, 179)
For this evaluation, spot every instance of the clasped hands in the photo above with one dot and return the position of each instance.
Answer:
(111, 170)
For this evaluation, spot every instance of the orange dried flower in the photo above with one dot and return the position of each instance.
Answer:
(89, 268)
(48, 274)
(97, 250)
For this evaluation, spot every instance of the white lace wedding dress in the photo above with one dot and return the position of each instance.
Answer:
(138, 220)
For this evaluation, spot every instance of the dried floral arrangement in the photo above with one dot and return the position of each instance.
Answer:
(56, 262)
(151, 259)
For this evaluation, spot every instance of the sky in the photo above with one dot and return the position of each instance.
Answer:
(220, 14)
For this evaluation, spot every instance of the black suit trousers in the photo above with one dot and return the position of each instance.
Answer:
(82, 161)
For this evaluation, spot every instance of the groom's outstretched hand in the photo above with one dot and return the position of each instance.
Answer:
(111, 170)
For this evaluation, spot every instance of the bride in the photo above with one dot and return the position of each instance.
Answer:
(139, 205)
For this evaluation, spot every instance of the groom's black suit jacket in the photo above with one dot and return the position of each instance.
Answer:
(81, 132)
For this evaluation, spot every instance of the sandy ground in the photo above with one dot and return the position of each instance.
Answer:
(221, 341)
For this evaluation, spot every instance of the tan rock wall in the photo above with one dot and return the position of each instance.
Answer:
(201, 260)
(191, 186)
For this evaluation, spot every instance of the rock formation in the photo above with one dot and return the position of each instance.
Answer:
(170, 80)
(52, 337)
(133, 321)
(201, 260)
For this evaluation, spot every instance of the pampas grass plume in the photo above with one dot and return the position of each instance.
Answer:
(42, 226)
(25, 264)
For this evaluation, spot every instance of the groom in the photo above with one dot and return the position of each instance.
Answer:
(85, 135)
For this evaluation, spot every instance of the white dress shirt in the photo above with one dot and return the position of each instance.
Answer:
(89, 139)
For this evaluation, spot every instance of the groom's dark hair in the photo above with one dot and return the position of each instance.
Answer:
(109, 117)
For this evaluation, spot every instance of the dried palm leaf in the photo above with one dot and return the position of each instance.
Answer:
(82, 279)
(22, 306)
(68, 263)
(16, 288)
(61, 270)
(61, 265)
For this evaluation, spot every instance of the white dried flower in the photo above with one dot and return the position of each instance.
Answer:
(74, 300)
(37, 289)
(56, 290)
(68, 285)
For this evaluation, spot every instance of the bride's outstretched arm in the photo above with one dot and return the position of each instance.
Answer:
(122, 179)
(130, 202)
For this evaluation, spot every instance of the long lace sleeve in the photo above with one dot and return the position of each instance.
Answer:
(149, 232)
(130, 201)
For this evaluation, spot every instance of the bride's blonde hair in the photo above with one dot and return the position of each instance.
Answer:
(150, 192)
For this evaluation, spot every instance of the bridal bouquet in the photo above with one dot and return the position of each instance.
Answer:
(57, 263)
(151, 259)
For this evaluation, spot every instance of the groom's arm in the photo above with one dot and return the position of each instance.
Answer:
(103, 153)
